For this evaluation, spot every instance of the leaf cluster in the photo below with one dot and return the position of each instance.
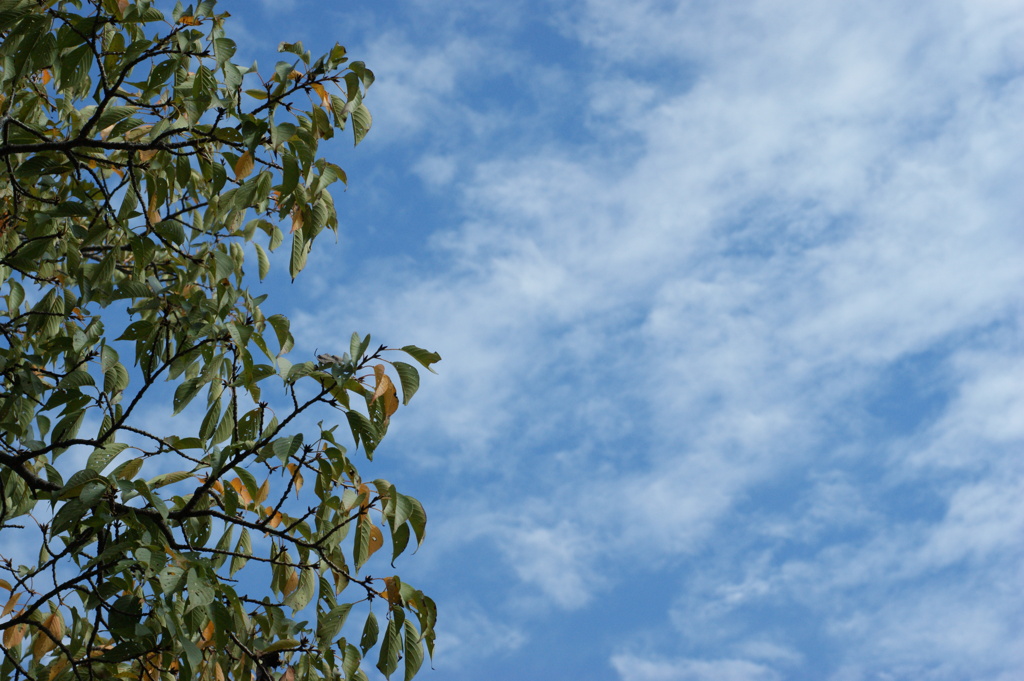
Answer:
(139, 168)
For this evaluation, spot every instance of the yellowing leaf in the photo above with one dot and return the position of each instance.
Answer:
(137, 133)
(189, 21)
(263, 492)
(376, 540)
(207, 635)
(58, 667)
(151, 666)
(292, 583)
(363, 492)
(11, 602)
(54, 625)
(297, 483)
(325, 99)
(243, 493)
(294, 75)
(386, 389)
(218, 672)
(153, 213)
(46, 76)
(6, 585)
(128, 469)
(244, 166)
(13, 636)
(296, 219)
(275, 517)
(393, 591)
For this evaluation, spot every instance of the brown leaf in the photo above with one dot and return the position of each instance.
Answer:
(376, 540)
(289, 674)
(244, 166)
(393, 592)
(207, 635)
(153, 213)
(296, 219)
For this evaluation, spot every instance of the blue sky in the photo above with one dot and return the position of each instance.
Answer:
(729, 300)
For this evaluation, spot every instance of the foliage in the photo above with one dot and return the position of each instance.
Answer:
(140, 166)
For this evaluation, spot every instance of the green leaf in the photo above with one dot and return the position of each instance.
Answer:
(400, 507)
(358, 347)
(424, 357)
(370, 632)
(200, 590)
(282, 328)
(409, 378)
(399, 542)
(286, 447)
(329, 625)
(303, 594)
(361, 122)
(244, 547)
(363, 431)
(264, 261)
(128, 470)
(185, 392)
(413, 651)
(115, 379)
(113, 114)
(76, 379)
(101, 456)
(391, 646)
(247, 478)
(300, 253)
(171, 579)
(143, 172)
(418, 520)
(77, 482)
(165, 479)
(282, 644)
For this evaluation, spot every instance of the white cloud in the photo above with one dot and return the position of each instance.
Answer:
(470, 634)
(417, 89)
(636, 668)
(640, 334)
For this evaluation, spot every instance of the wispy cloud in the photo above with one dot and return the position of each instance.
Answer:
(667, 338)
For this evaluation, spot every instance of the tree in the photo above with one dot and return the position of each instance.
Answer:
(141, 171)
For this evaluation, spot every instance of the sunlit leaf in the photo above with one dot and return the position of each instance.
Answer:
(244, 166)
